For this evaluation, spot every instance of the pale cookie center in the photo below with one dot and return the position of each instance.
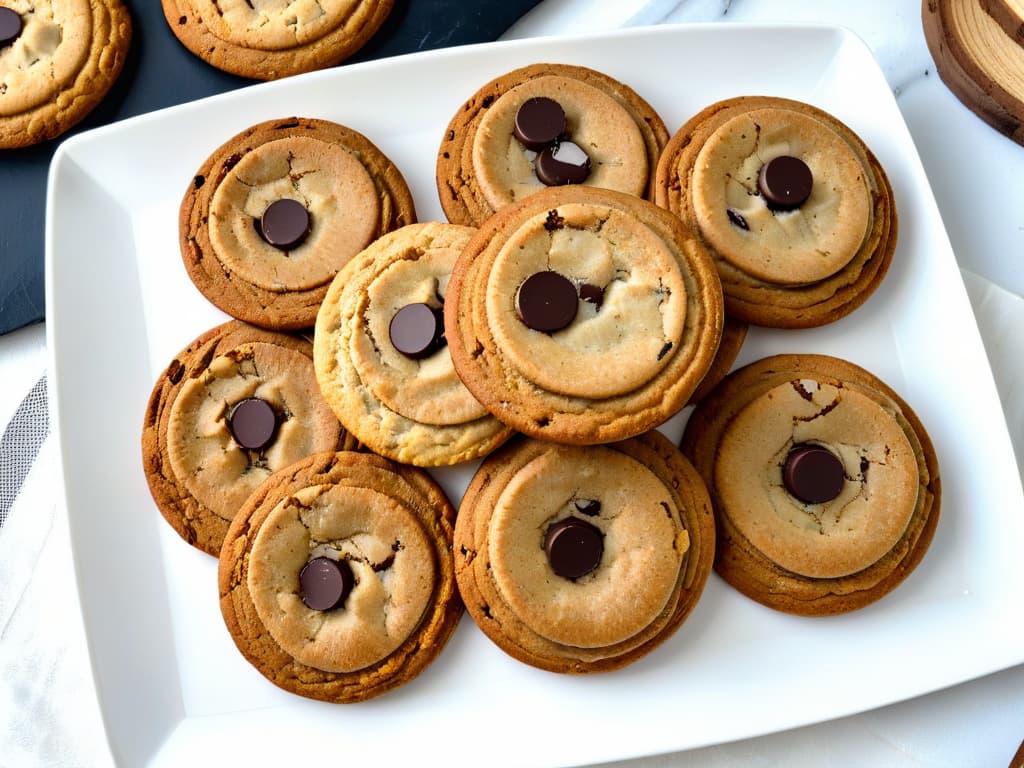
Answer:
(643, 547)
(804, 245)
(837, 537)
(327, 180)
(48, 54)
(205, 456)
(391, 560)
(427, 390)
(609, 348)
(271, 25)
(596, 123)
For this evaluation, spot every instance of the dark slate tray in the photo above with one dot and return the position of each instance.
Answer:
(159, 73)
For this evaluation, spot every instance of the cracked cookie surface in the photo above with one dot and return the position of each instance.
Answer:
(351, 194)
(198, 472)
(818, 556)
(268, 39)
(411, 409)
(392, 525)
(652, 515)
(59, 67)
(646, 316)
(791, 266)
(483, 167)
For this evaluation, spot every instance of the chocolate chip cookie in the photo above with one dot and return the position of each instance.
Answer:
(381, 357)
(583, 559)
(234, 406)
(583, 315)
(825, 484)
(268, 39)
(58, 59)
(546, 125)
(276, 211)
(796, 210)
(336, 578)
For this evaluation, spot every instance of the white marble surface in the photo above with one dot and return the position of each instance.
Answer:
(977, 179)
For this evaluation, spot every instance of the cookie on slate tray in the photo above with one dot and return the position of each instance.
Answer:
(336, 579)
(583, 315)
(276, 211)
(825, 484)
(546, 125)
(234, 406)
(583, 558)
(58, 59)
(268, 39)
(796, 210)
(381, 357)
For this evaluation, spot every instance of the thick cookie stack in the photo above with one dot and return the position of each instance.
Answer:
(978, 47)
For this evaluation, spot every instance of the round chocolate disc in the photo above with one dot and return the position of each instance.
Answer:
(785, 182)
(285, 224)
(813, 474)
(563, 163)
(546, 301)
(253, 423)
(417, 330)
(325, 583)
(10, 26)
(539, 122)
(574, 547)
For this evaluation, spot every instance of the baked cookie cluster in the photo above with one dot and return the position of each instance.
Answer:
(594, 278)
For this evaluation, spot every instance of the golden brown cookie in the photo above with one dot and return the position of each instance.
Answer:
(1008, 14)
(796, 211)
(276, 211)
(380, 354)
(578, 125)
(58, 59)
(268, 39)
(583, 558)
(733, 335)
(336, 579)
(825, 484)
(583, 315)
(234, 406)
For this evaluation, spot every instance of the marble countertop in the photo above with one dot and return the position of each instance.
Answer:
(975, 174)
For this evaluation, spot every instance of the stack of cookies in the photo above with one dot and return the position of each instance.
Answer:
(595, 277)
(978, 47)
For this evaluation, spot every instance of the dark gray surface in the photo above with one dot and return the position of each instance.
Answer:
(159, 73)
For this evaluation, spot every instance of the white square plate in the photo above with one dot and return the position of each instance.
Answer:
(171, 684)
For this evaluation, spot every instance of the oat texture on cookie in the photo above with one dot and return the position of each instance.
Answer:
(270, 39)
(795, 209)
(58, 59)
(546, 125)
(273, 214)
(825, 484)
(583, 558)
(337, 580)
(382, 360)
(583, 315)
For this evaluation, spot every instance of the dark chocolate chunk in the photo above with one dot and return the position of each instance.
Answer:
(592, 293)
(563, 163)
(574, 547)
(539, 122)
(813, 474)
(737, 218)
(253, 423)
(325, 583)
(285, 224)
(546, 301)
(417, 330)
(10, 26)
(588, 507)
(785, 182)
